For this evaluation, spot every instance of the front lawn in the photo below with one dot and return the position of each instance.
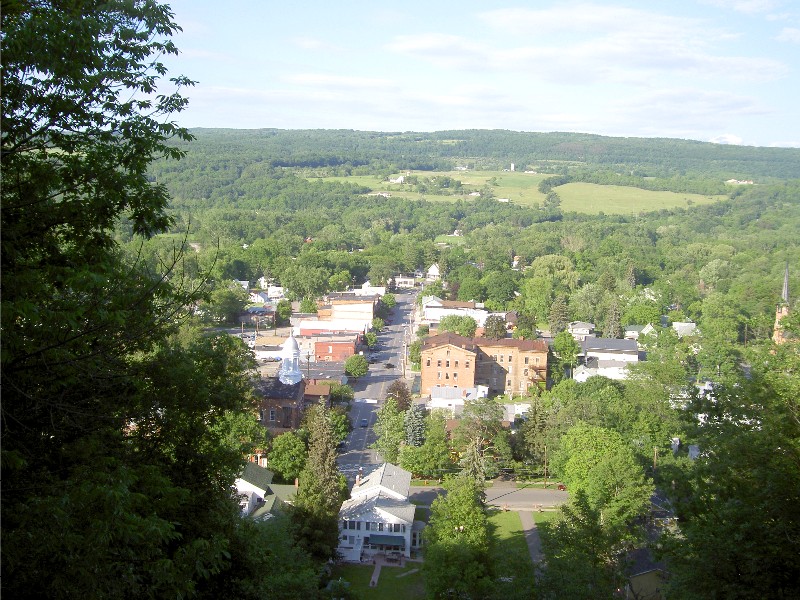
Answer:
(395, 583)
(512, 560)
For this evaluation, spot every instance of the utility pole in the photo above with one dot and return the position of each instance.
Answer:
(545, 466)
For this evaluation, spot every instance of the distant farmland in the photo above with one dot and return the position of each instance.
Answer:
(522, 189)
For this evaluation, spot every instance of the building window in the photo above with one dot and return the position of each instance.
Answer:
(439, 363)
(448, 353)
(447, 364)
(466, 364)
(508, 383)
(428, 362)
(509, 358)
(536, 360)
(380, 526)
(447, 375)
(439, 375)
(525, 372)
(526, 360)
(456, 364)
(330, 349)
(494, 358)
(521, 385)
(272, 414)
(455, 375)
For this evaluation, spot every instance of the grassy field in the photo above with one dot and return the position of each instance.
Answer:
(614, 199)
(522, 189)
(394, 583)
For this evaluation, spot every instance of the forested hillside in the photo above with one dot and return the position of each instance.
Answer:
(346, 151)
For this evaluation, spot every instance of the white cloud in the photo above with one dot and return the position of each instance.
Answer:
(728, 139)
(587, 43)
(684, 112)
(789, 34)
(340, 82)
(747, 6)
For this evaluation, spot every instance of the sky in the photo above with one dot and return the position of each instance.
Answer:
(726, 71)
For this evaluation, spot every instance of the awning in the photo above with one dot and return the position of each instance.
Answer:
(387, 540)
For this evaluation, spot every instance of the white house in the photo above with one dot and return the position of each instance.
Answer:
(433, 273)
(608, 357)
(378, 518)
(434, 308)
(580, 330)
(685, 329)
(275, 292)
(259, 297)
(252, 487)
(404, 281)
(452, 398)
(367, 289)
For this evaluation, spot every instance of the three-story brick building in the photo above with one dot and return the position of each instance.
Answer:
(504, 366)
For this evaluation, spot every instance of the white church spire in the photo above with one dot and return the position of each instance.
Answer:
(290, 372)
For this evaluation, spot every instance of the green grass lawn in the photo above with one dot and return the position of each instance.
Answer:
(510, 554)
(393, 583)
(522, 189)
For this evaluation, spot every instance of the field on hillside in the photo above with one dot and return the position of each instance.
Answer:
(613, 199)
(522, 189)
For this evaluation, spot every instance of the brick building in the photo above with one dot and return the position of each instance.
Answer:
(504, 366)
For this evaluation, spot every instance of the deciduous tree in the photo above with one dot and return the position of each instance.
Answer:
(494, 328)
(356, 366)
(287, 456)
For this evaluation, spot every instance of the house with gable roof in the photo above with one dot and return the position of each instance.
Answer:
(258, 496)
(608, 357)
(378, 518)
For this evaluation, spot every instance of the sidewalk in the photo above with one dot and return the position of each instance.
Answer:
(531, 535)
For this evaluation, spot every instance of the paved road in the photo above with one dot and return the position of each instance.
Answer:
(370, 390)
(502, 496)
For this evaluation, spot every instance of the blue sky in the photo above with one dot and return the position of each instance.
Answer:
(711, 70)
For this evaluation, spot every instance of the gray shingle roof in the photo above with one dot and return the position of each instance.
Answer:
(609, 344)
(359, 508)
(388, 476)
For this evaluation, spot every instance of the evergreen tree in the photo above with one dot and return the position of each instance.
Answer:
(473, 463)
(322, 489)
(415, 425)
(613, 326)
(558, 319)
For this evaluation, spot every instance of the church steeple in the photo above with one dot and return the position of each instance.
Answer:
(290, 372)
(782, 309)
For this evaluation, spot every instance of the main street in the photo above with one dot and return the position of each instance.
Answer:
(386, 366)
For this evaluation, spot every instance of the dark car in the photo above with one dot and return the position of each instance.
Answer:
(364, 423)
